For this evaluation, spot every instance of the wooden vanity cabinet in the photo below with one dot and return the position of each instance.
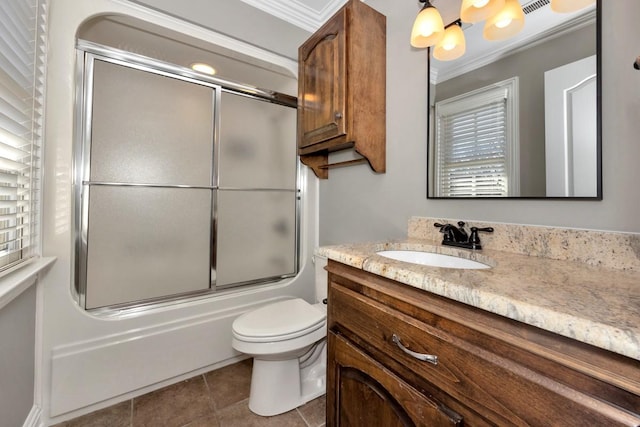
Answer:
(341, 88)
(490, 370)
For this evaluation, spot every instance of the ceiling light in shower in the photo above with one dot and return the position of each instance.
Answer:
(201, 67)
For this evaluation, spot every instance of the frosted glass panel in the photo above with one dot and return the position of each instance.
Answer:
(146, 243)
(148, 128)
(256, 235)
(257, 143)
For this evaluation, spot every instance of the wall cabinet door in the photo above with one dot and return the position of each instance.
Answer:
(363, 392)
(342, 89)
(322, 84)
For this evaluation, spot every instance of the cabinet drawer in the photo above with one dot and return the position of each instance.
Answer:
(503, 391)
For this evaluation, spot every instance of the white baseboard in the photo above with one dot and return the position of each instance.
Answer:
(34, 417)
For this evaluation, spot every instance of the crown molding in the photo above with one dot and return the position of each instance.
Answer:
(298, 12)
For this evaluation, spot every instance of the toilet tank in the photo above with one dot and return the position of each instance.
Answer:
(321, 277)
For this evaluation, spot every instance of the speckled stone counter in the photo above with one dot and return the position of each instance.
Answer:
(591, 301)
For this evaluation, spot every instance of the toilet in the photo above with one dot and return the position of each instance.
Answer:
(287, 340)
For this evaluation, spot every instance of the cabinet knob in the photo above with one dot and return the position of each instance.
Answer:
(420, 356)
(338, 115)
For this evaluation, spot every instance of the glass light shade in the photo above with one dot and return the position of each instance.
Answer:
(428, 28)
(452, 45)
(508, 22)
(479, 10)
(201, 67)
(567, 6)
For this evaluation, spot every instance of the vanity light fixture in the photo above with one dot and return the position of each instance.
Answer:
(473, 11)
(567, 6)
(201, 67)
(508, 22)
(452, 45)
(428, 27)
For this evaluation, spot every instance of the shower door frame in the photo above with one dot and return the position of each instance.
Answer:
(86, 54)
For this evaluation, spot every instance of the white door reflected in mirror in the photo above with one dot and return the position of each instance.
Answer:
(571, 129)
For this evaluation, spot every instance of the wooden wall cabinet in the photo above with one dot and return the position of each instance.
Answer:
(490, 370)
(342, 89)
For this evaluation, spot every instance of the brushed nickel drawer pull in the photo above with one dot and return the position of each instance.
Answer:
(420, 356)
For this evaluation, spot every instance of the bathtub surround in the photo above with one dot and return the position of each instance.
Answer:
(588, 298)
(215, 399)
(92, 362)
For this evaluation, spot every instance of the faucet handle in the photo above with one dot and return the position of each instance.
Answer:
(474, 239)
(446, 230)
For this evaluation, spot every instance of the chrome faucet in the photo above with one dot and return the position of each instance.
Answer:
(457, 236)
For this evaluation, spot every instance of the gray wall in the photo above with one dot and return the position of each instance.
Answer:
(238, 20)
(529, 65)
(359, 205)
(17, 354)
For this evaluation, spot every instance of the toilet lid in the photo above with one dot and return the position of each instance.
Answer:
(278, 319)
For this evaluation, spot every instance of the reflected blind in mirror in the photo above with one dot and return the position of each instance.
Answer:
(474, 145)
(22, 59)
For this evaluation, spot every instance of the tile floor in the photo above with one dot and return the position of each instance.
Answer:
(216, 399)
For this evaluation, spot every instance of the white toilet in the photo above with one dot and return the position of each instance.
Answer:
(287, 340)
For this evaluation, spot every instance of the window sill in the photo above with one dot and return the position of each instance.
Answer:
(17, 281)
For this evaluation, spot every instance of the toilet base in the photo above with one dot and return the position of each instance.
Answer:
(278, 386)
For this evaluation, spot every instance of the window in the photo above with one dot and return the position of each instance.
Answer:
(22, 59)
(477, 143)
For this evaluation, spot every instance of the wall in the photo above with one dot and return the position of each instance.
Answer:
(358, 205)
(91, 362)
(17, 358)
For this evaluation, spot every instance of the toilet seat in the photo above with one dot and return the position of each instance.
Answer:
(279, 321)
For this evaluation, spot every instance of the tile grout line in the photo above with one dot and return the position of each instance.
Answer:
(131, 413)
(214, 407)
(302, 416)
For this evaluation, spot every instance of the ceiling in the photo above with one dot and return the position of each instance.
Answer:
(306, 14)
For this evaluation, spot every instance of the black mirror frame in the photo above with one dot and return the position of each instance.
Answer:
(598, 195)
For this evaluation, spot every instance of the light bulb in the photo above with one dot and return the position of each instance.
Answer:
(480, 3)
(505, 21)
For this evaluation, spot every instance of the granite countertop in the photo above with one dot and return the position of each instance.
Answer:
(592, 304)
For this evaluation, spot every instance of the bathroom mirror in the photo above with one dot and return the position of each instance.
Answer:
(549, 111)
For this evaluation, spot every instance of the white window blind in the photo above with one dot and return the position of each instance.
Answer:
(476, 144)
(22, 60)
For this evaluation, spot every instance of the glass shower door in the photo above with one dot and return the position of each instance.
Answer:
(256, 236)
(148, 193)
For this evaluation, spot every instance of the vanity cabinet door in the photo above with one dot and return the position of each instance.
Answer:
(365, 393)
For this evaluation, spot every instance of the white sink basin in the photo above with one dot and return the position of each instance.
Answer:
(433, 259)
